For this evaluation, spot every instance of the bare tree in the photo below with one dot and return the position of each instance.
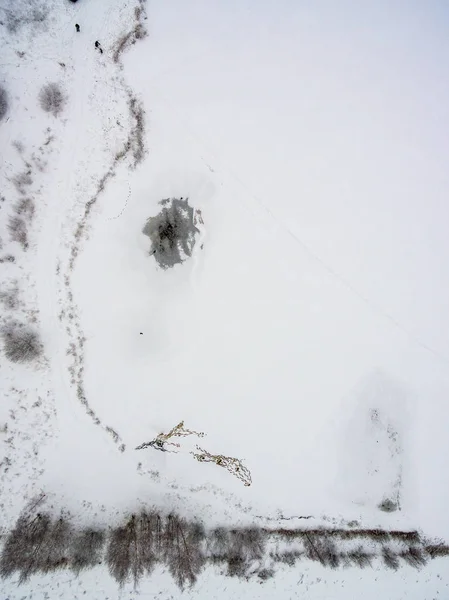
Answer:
(134, 549)
(18, 231)
(183, 550)
(54, 550)
(218, 543)
(3, 103)
(118, 554)
(246, 545)
(414, 556)
(23, 546)
(390, 558)
(360, 557)
(320, 547)
(21, 342)
(51, 99)
(86, 549)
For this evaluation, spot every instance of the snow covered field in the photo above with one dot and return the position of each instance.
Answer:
(305, 335)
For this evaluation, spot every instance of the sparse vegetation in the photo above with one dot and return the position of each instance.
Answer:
(436, 550)
(21, 343)
(39, 543)
(387, 505)
(360, 557)
(172, 232)
(183, 550)
(137, 134)
(8, 258)
(390, 558)
(86, 549)
(21, 181)
(51, 99)
(25, 12)
(414, 556)
(22, 550)
(4, 104)
(138, 32)
(134, 548)
(10, 297)
(22, 217)
(18, 231)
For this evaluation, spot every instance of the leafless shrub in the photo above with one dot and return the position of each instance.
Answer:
(414, 556)
(390, 558)
(388, 505)
(4, 104)
(408, 537)
(148, 544)
(21, 343)
(249, 541)
(319, 547)
(25, 13)
(25, 208)
(21, 181)
(22, 548)
(183, 550)
(10, 297)
(135, 548)
(218, 544)
(86, 549)
(330, 556)
(265, 574)
(288, 557)
(138, 32)
(245, 546)
(237, 566)
(18, 231)
(54, 550)
(8, 258)
(377, 535)
(437, 550)
(137, 136)
(118, 554)
(360, 557)
(51, 99)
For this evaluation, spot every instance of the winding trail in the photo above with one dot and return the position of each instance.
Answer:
(81, 172)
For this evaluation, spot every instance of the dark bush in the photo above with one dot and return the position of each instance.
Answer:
(390, 558)
(86, 549)
(10, 297)
(437, 550)
(54, 550)
(218, 544)
(183, 550)
(321, 548)
(134, 549)
(4, 104)
(265, 574)
(414, 556)
(288, 557)
(22, 549)
(18, 231)
(51, 99)
(21, 343)
(360, 557)
(118, 554)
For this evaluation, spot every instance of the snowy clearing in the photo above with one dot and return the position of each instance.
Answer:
(223, 236)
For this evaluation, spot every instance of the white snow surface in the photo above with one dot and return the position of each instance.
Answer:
(308, 336)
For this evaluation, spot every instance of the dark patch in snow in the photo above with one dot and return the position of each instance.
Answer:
(172, 232)
(3, 102)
